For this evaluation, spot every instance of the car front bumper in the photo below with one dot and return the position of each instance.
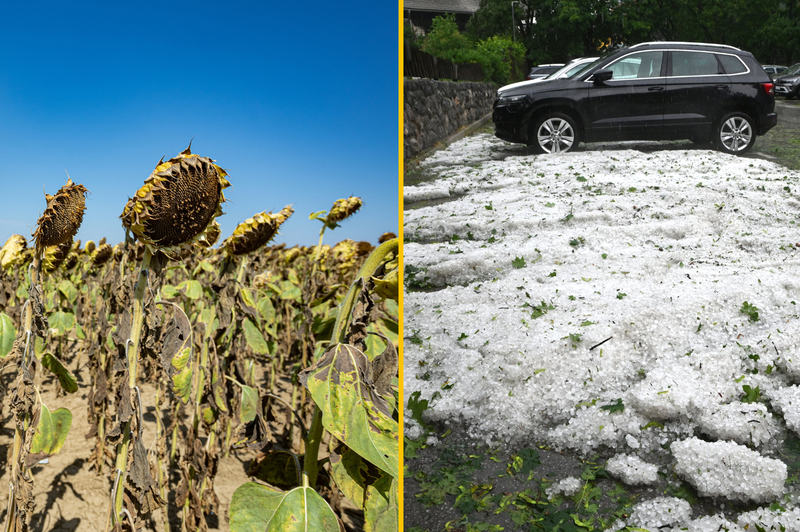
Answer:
(786, 89)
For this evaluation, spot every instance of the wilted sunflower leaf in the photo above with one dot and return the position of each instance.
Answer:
(278, 468)
(381, 509)
(351, 408)
(7, 334)
(256, 508)
(254, 338)
(61, 320)
(68, 290)
(192, 289)
(65, 376)
(51, 432)
(218, 388)
(177, 355)
(249, 404)
(353, 474)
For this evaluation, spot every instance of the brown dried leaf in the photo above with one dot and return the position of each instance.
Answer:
(384, 367)
(360, 317)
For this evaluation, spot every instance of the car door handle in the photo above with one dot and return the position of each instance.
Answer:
(653, 89)
(722, 87)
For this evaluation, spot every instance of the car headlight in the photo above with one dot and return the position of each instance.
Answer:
(512, 99)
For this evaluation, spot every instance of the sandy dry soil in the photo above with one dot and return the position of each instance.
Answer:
(70, 495)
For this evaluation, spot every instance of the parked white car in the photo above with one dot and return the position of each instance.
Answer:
(570, 69)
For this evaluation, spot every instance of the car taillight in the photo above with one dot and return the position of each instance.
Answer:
(769, 88)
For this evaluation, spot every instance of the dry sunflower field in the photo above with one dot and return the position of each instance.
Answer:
(167, 384)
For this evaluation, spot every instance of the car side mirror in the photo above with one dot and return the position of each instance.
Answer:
(602, 75)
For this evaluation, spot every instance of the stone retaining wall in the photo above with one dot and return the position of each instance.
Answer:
(434, 110)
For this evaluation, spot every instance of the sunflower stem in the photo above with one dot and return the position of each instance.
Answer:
(133, 359)
(19, 433)
(370, 267)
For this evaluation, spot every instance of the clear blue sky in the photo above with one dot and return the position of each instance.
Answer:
(298, 101)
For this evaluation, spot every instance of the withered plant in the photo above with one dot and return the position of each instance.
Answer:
(38, 432)
(168, 214)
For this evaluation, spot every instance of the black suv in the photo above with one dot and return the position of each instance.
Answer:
(650, 91)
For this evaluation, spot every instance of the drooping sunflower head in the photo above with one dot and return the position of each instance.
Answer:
(90, 245)
(62, 217)
(343, 209)
(211, 235)
(385, 237)
(255, 232)
(71, 261)
(53, 256)
(292, 254)
(177, 203)
(102, 254)
(12, 252)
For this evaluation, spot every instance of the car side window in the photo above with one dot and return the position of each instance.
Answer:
(695, 64)
(637, 66)
(734, 65)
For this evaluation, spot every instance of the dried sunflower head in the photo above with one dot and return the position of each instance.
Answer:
(385, 237)
(292, 254)
(102, 254)
(345, 253)
(53, 256)
(89, 246)
(11, 253)
(255, 232)
(62, 217)
(211, 235)
(342, 209)
(71, 260)
(177, 203)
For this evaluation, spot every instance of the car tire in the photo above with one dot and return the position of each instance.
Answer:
(553, 133)
(735, 133)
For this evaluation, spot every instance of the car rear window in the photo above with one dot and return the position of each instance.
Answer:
(694, 64)
(732, 64)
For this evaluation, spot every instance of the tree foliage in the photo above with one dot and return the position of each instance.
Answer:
(500, 57)
(558, 30)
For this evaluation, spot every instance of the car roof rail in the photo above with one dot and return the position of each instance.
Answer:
(687, 43)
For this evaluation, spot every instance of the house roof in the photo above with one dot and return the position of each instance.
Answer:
(446, 6)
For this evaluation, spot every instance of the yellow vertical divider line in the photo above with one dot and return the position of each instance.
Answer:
(400, 403)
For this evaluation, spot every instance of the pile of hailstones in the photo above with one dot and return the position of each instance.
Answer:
(720, 469)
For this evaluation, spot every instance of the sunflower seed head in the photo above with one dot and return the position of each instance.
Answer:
(256, 231)
(71, 261)
(90, 245)
(54, 255)
(343, 209)
(102, 254)
(177, 203)
(292, 254)
(385, 237)
(62, 217)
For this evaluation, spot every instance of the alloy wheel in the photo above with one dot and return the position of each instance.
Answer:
(556, 135)
(736, 134)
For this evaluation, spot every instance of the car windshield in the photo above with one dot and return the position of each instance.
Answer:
(568, 71)
(594, 63)
(794, 69)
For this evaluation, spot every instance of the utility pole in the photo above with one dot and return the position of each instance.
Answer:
(513, 22)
